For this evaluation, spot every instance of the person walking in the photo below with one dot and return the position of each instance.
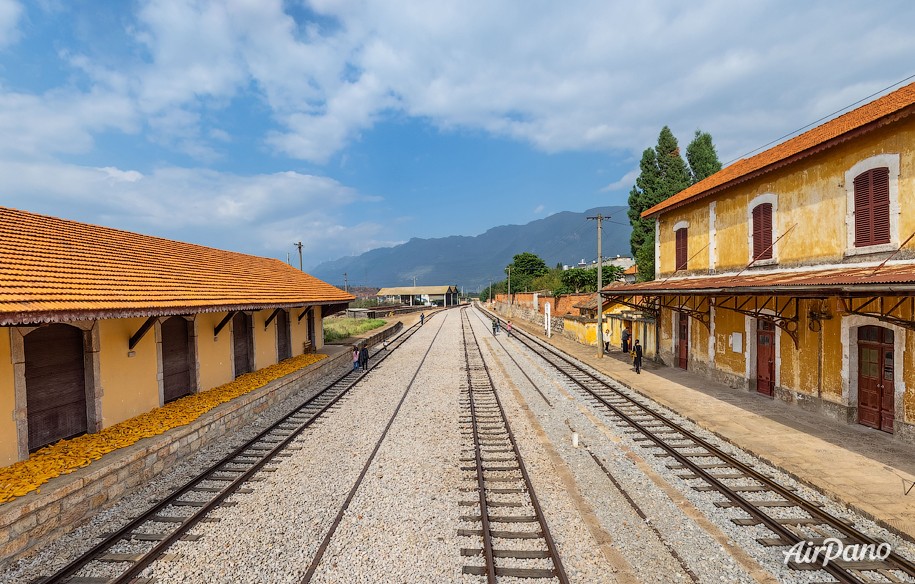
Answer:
(625, 337)
(364, 358)
(508, 328)
(637, 360)
(422, 318)
(355, 358)
(495, 326)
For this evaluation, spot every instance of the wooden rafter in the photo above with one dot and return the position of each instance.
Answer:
(695, 307)
(647, 304)
(223, 322)
(304, 312)
(141, 332)
(271, 317)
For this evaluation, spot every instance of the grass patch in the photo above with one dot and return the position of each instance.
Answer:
(336, 329)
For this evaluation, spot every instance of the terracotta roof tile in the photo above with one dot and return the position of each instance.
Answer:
(51, 268)
(879, 110)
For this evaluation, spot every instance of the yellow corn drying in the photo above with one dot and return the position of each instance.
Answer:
(66, 456)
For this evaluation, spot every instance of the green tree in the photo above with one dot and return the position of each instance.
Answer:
(702, 157)
(528, 264)
(576, 279)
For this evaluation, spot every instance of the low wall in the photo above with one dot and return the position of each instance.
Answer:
(67, 501)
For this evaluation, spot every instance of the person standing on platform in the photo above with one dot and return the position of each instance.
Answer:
(625, 336)
(364, 358)
(422, 318)
(495, 326)
(637, 360)
(355, 357)
(508, 328)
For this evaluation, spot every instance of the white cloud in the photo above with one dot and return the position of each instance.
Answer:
(624, 183)
(539, 209)
(261, 213)
(10, 11)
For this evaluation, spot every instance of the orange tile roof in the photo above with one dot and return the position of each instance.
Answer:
(877, 113)
(54, 269)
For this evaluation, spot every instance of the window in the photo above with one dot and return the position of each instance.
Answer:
(762, 232)
(681, 248)
(872, 207)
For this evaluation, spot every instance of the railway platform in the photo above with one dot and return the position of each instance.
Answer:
(862, 468)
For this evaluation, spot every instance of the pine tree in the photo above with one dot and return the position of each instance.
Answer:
(702, 157)
(663, 174)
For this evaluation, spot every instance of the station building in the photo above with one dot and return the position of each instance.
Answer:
(791, 274)
(420, 295)
(99, 325)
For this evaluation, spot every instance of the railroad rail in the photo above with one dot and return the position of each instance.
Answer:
(792, 519)
(506, 509)
(172, 518)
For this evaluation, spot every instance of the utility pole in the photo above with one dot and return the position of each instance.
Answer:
(414, 281)
(299, 245)
(490, 290)
(345, 282)
(600, 301)
(509, 268)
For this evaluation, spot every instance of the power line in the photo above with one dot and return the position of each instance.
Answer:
(827, 116)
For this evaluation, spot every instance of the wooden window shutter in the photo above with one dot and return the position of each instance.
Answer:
(681, 248)
(762, 232)
(872, 207)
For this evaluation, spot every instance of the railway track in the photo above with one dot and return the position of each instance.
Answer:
(514, 540)
(791, 519)
(149, 536)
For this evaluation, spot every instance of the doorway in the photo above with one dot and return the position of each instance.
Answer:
(876, 382)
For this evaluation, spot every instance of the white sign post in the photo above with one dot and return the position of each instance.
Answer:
(546, 319)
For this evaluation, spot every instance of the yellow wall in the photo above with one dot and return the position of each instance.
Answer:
(264, 340)
(8, 439)
(319, 327)
(728, 322)
(585, 333)
(908, 398)
(298, 330)
(810, 193)
(213, 354)
(129, 384)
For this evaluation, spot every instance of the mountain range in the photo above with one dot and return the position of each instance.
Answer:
(470, 262)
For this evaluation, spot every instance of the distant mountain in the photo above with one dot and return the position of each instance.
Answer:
(470, 262)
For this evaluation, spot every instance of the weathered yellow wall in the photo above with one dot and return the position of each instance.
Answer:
(726, 323)
(298, 330)
(585, 333)
(697, 238)
(318, 317)
(832, 357)
(214, 355)
(810, 193)
(129, 384)
(908, 399)
(8, 439)
(264, 340)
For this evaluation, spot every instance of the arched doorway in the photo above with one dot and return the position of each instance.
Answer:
(876, 385)
(242, 343)
(177, 378)
(55, 383)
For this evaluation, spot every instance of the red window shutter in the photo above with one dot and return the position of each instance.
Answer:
(681, 248)
(872, 207)
(762, 232)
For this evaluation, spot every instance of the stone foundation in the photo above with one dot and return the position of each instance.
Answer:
(65, 502)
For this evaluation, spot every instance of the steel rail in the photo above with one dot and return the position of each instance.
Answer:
(70, 570)
(558, 569)
(842, 574)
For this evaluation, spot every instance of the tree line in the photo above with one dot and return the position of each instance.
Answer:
(529, 273)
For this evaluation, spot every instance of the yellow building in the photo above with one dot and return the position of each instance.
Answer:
(792, 273)
(99, 325)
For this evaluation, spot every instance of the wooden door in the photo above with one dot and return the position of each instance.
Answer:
(765, 357)
(876, 406)
(55, 384)
(176, 359)
(283, 341)
(683, 341)
(242, 343)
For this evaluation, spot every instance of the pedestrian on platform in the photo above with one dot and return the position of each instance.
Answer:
(422, 318)
(508, 328)
(364, 358)
(355, 358)
(637, 360)
(495, 326)
(625, 336)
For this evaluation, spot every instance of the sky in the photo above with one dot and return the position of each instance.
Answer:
(250, 125)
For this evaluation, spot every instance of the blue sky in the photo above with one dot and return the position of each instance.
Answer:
(251, 124)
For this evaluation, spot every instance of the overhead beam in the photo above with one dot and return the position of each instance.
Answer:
(141, 332)
(224, 322)
(271, 317)
(304, 312)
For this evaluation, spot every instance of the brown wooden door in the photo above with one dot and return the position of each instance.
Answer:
(683, 342)
(283, 341)
(875, 377)
(242, 343)
(765, 357)
(176, 359)
(55, 384)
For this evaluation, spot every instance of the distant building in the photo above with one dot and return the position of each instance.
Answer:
(624, 262)
(420, 295)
